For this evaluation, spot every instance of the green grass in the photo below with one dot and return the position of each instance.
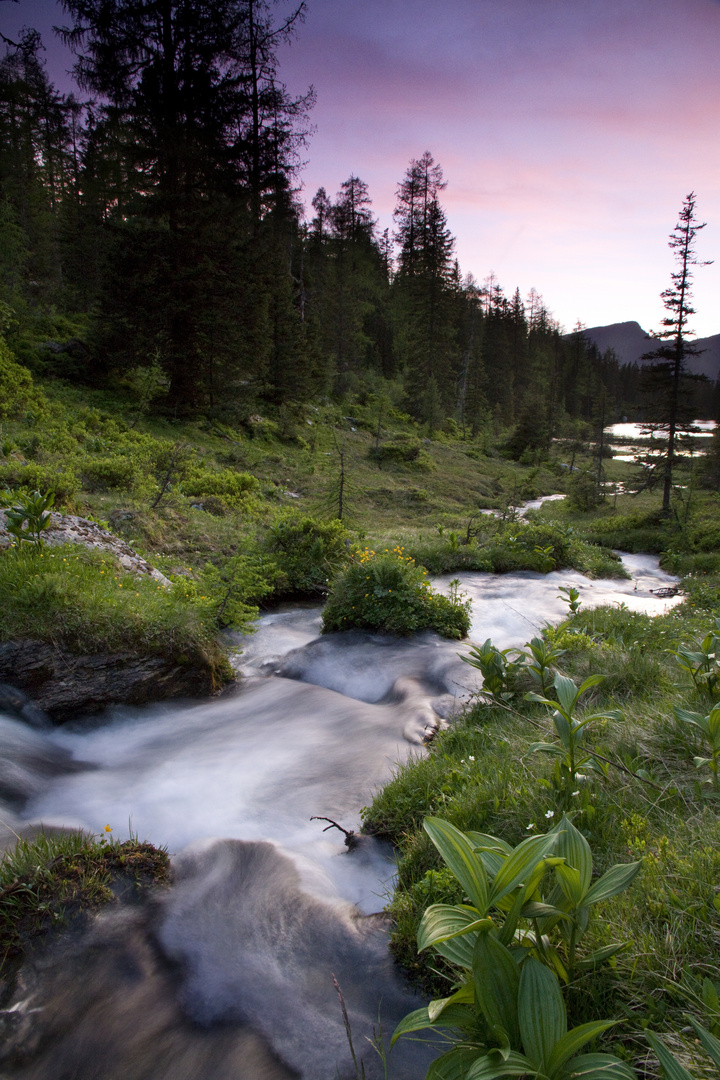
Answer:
(79, 599)
(653, 804)
(49, 881)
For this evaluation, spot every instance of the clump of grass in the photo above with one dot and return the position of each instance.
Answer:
(81, 600)
(48, 881)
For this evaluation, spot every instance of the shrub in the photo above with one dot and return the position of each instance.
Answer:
(108, 474)
(311, 552)
(16, 386)
(232, 487)
(390, 593)
(32, 476)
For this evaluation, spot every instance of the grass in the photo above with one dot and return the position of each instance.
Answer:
(652, 804)
(56, 878)
(79, 599)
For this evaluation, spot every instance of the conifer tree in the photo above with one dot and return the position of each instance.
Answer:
(667, 378)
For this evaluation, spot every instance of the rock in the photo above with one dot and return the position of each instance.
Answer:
(68, 529)
(66, 685)
(15, 702)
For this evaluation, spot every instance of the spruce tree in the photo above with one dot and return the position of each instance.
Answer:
(667, 379)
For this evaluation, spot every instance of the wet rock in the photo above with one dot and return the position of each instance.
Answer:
(66, 685)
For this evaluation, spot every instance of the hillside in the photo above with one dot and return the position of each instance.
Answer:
(630, 341)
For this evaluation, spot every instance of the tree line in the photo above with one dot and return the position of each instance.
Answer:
(164, 207)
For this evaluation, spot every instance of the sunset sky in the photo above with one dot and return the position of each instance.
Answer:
(569, 132)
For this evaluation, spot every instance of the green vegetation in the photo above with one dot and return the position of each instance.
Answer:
(388, 592)
(55, 878)
(639, 788)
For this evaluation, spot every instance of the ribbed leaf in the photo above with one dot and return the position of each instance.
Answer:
(541, 1011)
(587, 684)
(574, 848)
(574, 1041)
(611, 883)
(713, 721)
(414, 1021)
(516, 866)
(459, 855)
(596, 1067)
(464, 996)
(567, 693)
(443, 921)
(458, 950)
(535, 910)
(711, 1044)
(485, 842)
(600, 956)
(493, 1065)
(497, 979)
(454, 1065)
(687, 716)
(546, 748)
(570, 882)
(673, 1069)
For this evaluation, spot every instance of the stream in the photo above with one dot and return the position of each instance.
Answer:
(228, 974)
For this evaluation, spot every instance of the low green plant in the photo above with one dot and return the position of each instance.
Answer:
(672, 1069)
(509, 944)
(571, 597)
(500, 669)
(710, 727)
(702, 663)
(29, 517)
(306, 552)
(570, 729)
(543, 655)
(390, 592)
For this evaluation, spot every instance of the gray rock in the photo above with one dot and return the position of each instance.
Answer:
(66, 685)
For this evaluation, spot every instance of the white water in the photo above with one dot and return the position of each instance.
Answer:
(315, 727)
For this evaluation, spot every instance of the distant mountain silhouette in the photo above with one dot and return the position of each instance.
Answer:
(630, 341)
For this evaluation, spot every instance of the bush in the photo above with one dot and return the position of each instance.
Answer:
(310, 552)
(404, 452)
(230, 486)
(108, 474)
(31, 476)
(390, 593)
(16, 386)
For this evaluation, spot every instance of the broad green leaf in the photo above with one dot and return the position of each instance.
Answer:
(596, 1067)
(687, 716)
(672, 1067)
(714, 723)
(536, 910)
(493, 1065)
(414, 1021)
(454, 1065)
(570, 1044)
(562, 727)
(587, 684)
(570, 882)
(507, 932)
(464, 996)
(485, 842)
(530, 696)
(458, 950)
(458, 853)
(611, 883)
(574, 848)
(711, 1044)
(567, 693)
(515, 868)
(443, 921)
(497, 979)
(546, 748)
(710, 996)
(541, 1011)
(600, 956)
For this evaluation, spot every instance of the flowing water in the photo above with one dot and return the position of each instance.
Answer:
(229, 974)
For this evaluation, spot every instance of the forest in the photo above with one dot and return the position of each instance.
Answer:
(152, 232)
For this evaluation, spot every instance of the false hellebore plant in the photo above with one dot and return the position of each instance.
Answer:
(512, 943)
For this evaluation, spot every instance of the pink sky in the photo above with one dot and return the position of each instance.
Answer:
(569, 132)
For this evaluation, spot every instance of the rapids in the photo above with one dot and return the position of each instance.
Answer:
(230, 973)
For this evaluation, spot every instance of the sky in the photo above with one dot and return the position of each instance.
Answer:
(569, 133)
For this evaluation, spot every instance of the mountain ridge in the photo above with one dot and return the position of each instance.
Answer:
(630, 341)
